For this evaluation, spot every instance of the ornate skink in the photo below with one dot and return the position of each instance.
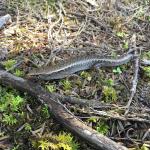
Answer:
(65, 68)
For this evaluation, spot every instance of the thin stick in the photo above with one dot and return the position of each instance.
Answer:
(135, 79)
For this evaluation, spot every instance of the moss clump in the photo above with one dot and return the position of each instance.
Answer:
(102, 127)
(146, 71)
(51, 88)
(9, 63)
(109, 94)
(66, 85)
(11, 105)
(63, 141)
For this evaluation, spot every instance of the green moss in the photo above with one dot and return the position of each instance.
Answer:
(109, 82)
(45, 111)
(102, 127)
(145, 147)
(63, 141)
(86, 75)
(121, 34)
(51, 88)
(9, 63)
(110, 94)
(28, 127)
(18, 73)
(146, 71)
(117, 70)
(9, 119)
(66, 85)
(92, 119)
(146, 55)
(11, 105)
(125, 45)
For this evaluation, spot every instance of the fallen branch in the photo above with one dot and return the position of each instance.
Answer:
(119, 117)
(94, 104)
(74, 124)
(82, 102)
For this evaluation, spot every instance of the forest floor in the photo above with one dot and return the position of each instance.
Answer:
(45, 32)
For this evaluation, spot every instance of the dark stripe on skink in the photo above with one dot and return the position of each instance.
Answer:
(65, 68)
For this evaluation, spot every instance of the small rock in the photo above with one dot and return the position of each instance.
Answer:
(4, 20)
(3, 53)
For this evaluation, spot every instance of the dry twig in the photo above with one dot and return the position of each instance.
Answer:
(135, 79)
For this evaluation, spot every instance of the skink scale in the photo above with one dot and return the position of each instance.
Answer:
(68, 67)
